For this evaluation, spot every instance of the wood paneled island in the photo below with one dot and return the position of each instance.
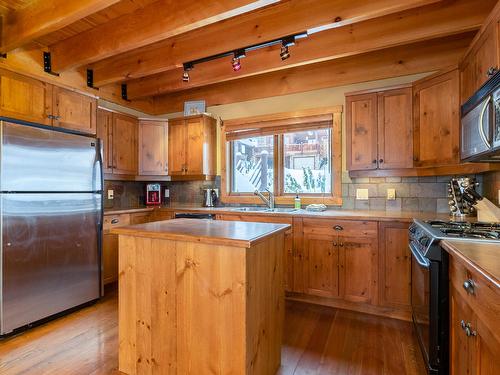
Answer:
(200, 297)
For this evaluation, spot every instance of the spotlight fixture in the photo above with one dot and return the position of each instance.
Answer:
(285, 43)
(284, 54)
(235, 62)
(185, 75)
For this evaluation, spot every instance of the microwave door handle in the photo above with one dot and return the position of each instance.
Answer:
(480, 123)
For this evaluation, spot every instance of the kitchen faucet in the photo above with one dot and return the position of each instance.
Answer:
(268, 201)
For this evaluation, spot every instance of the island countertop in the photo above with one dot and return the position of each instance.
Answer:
(233, 233)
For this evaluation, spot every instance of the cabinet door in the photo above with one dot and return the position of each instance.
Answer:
(74, 111)
(321, 265)
(358, 269)
(467, 78)
(486, 349)
(109, 258)
(153, 148)
(460, 354)
(24, 98)
(361, 120)
(486, 55)
(394, 265)
(395, 129)
(104, 129)
(197, 149)
(437, 120)
(124, 144)
(176, 147)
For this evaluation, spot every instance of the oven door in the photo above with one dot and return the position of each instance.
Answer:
(424, 296)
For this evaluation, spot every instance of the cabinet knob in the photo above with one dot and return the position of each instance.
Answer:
(341, 244)
(115, 221)
(338, 227)
(381, 160)
(335, 244)
(469, 286)
(374, 161)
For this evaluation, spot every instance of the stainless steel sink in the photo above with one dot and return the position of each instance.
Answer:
(263, 209)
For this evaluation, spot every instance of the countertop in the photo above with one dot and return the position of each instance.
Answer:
(329, 213)
(484, 257)
(226, 233)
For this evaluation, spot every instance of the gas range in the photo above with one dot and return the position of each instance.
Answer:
(425, 235)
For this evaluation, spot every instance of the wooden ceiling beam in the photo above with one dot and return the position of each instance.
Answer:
(42, 17)
(285, 18)
(158, 21)
(432, 21)
(398, 61)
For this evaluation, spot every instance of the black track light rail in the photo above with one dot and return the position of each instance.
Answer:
(287, 40)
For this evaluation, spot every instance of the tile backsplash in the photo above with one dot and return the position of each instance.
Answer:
(426, 194)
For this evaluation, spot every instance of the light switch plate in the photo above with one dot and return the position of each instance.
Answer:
(362, 194)
(167, 193)
(111, 194)
(391, 194)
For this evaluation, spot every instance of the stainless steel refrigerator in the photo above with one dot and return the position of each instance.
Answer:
(50, 222)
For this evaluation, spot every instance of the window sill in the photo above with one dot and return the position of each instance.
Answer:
(290, 200)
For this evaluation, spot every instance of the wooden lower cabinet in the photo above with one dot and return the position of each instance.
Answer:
(358, 273)
(395, 261)
(474, 323)
(322, 265)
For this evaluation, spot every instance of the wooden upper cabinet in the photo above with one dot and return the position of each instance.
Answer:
(361, 120)
(153, 157)
(394, 265)
(395, 129)
(192, 146)
(176, 147)
(125, 129)
(437, 120)
(24, 98)
(379, 130)
(105, 133)
(74, 111)
(481, 61)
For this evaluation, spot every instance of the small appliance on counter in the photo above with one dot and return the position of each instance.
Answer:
(153, 194)
(459, 207)
(210, 197)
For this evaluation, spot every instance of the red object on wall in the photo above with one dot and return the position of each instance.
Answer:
(153, 195)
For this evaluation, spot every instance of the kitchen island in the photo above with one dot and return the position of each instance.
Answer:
(200, 297)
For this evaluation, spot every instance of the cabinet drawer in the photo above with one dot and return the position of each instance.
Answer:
(140, 218)
(112, 221)
(340, 227)
(483, 298)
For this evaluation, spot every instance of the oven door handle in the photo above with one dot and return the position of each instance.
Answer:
(424, 262)
(480, 123)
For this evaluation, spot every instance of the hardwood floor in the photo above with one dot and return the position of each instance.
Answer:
(317, 340)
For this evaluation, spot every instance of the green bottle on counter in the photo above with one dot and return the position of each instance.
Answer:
(297, 202)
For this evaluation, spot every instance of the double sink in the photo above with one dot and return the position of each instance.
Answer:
(264, 209)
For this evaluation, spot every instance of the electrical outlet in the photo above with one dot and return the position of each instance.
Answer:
(391, 194)
(362, 194)
(111, 194)
(167, 193)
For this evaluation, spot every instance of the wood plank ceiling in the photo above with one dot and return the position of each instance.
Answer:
(144, 43)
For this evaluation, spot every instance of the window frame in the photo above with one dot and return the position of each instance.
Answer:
(333, 198)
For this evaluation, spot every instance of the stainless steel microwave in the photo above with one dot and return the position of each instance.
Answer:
(480, 125)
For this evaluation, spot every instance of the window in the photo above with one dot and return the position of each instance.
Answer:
(284, 153)
(252, 166)
(307, 162)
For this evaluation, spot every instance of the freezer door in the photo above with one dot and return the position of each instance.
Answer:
(50, 255)
(42, 160)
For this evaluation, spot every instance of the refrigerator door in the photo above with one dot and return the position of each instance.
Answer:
(51, 255)
(37, 159)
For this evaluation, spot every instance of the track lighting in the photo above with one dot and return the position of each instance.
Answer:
(185, 75)
(235, 62)
(284, 54)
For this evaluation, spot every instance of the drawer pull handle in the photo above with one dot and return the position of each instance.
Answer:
(469, 286)
(338, 227)
(115, 221)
